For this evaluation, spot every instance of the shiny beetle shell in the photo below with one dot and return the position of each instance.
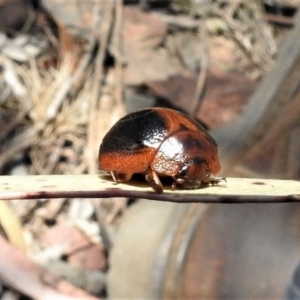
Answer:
(160, 142)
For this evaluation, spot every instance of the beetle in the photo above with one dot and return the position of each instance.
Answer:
(160, 142)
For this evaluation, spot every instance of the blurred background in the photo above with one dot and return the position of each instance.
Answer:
(70, 69)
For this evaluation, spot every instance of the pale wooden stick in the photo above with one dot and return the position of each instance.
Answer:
(235, 190)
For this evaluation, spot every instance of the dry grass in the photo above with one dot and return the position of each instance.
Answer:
(61, 114)
(53, 118)
(59, 110)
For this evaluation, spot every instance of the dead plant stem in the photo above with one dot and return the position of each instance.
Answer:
(103, 38)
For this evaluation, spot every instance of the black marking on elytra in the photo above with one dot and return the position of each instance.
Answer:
(140, 129)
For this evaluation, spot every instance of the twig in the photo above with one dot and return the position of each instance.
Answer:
(118, 32)
(13, 81)
(67, 86)
(197, 100)
(106, 239)
(11, 125)
(18, 144)
(103, 39)
(25, 276)
(235, 190)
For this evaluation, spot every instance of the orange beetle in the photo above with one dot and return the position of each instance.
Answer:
(160, 142)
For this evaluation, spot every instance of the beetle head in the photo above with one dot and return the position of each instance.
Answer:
(193, 173)
(189, 157)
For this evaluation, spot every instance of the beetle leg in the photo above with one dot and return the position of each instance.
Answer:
(173, 186)
(177, 181)
(154, 181)
(120, 177)
(215, 180)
